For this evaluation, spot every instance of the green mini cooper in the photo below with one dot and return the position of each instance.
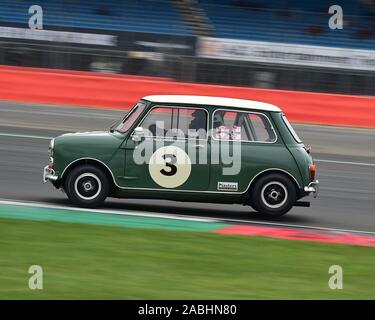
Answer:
(188, 148)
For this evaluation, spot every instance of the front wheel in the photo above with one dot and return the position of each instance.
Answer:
(274, 195)
(87, 186)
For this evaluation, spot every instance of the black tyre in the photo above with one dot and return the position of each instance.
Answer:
(273, 194)
(87, 186)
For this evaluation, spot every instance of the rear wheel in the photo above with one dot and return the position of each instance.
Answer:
(87, 186)
(273, 194)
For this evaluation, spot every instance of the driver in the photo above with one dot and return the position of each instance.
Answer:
(218, 119)
(198, 123)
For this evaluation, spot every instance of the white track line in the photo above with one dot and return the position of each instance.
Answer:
(28, 136)
(181, 217)
(116, 212)
(346, 162)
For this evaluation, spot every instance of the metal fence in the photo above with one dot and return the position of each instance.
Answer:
(166, 63)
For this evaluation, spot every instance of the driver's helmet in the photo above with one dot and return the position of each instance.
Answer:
(218, 119)
(198, 120)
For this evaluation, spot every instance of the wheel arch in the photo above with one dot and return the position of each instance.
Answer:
(89, 161)
(271, 171)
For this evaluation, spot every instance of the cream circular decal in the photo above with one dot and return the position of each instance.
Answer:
(169, 166)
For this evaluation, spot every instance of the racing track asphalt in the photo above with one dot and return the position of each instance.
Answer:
(347, 174)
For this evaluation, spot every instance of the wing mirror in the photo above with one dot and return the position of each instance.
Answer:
(138, 134)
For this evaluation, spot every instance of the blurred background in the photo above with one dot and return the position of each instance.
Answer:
(282, 44)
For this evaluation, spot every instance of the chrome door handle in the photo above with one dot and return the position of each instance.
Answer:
(198, 146)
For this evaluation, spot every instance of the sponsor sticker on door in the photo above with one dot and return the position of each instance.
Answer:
(227, 186)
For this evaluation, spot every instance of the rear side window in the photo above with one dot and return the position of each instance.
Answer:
(263, 130)
(294, 134)
(242, 126)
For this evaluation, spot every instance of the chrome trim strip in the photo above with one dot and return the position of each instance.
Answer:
(199, 191)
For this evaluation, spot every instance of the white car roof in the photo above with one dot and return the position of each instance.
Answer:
(214, 101)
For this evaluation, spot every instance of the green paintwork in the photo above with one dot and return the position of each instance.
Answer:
(115, 151)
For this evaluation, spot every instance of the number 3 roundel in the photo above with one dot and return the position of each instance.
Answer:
(169, 166)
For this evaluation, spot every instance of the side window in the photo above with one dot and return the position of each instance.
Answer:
(176, 122)
(193, 123)
(158, 122)
(242, 126)
(261, 128)
(294, 134)
(225, 125)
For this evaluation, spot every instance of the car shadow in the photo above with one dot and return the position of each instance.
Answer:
(243, 214)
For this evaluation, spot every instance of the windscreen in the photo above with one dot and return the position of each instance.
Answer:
(131, 117)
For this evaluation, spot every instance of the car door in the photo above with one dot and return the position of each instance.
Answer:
(243, 144)
(173, 152)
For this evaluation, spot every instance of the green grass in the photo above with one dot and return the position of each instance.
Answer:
(88, 261)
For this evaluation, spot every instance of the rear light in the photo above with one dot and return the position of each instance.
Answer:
(312, 169)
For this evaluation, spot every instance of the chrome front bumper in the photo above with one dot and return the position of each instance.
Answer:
(312, 188)
(49, 174)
